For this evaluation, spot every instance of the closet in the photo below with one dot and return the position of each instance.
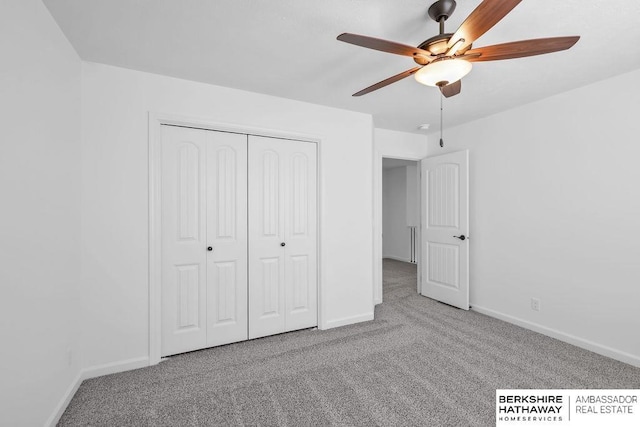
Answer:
(239, 237)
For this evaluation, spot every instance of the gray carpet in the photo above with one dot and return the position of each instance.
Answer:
(418, 363)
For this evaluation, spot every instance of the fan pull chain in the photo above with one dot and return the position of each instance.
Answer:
(441, 129)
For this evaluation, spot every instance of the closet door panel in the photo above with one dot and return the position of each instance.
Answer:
(227, 237)
(300, 235)
(266, 224)
(184, 270)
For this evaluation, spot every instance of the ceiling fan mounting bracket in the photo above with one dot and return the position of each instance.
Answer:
(442, 10)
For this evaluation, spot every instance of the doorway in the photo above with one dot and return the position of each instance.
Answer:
(442, 257)
(400, 223)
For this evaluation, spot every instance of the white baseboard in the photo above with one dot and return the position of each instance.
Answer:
(93, 372)
(115, 367)
(397, 258)
(64, 402)
(559, 335)
(348, 320)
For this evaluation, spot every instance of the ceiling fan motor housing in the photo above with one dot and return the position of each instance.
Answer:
(437, 45)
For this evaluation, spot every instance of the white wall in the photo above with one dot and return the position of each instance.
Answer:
(413, 196)
(398, 145)
(40, 214)
(400, 210)
(395, 232)
(115, 209)
(555, 214)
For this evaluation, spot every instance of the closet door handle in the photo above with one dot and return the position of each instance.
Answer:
(209, 248)
(283, 244)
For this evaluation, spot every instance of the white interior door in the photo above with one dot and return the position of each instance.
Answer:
(445, 228)
(184, 255)
(227, 317)
(282, 236)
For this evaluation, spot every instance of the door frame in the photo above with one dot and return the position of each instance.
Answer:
(156, 121)
(379, 153)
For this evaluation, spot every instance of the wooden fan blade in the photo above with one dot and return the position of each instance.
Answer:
(522, 48)
(451, 89)
(485, 16)
(384, 45)
(387, 82)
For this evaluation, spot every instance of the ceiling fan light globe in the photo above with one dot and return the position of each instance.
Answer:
(445, 70)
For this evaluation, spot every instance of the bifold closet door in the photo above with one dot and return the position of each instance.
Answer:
(227, 317)
(204, 239)
(282, 236)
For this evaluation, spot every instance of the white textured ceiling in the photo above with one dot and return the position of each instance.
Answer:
(288, 48)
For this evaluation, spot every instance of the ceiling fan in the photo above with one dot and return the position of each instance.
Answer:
(445, 58)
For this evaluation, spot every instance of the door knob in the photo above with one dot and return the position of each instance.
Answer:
(209, 248)
(461, 237)
(283, 244)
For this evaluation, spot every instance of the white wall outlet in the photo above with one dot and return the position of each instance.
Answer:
(535, 304)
